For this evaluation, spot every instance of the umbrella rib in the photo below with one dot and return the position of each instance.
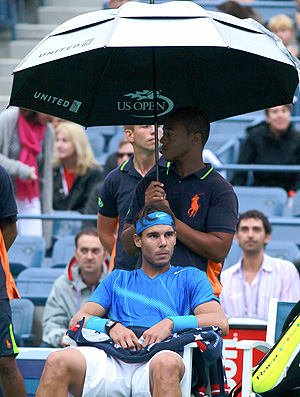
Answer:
(108, 37)
(97, 87)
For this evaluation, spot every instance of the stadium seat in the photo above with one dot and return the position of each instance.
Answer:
(296, 204)
(114, 142)
(287, 250)
(269, 200)
(22, 311)
(63, 251)
(234, 125)
(36, 283)
(63, 227)
(285, 228)
(97, 142)
(108, 134)
(26, 251)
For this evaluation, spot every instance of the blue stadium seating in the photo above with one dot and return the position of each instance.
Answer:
(63, 251)
(64, 227)
(22, 311)
(106, 134)
(269, 200)
(36, 283)
(26, 251)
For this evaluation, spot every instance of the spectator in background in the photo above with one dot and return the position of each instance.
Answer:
(117, 159)
(273, 141)
(26, 146)
(283, 27)
(75, 169)
(72, 289)
(115, 3)
(240, 11)
(249, 285)
(296, 21)
(117, 190)
(11, 378)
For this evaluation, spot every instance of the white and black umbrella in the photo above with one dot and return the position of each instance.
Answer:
(135, 64)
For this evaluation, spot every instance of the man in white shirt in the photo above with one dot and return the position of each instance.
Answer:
(256, 277)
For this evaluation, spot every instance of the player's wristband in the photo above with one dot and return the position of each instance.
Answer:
(96, 323)
(183, 322)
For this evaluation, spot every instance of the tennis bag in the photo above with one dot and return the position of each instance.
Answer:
(278, 373)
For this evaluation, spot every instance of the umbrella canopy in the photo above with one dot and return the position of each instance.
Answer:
(122, 66)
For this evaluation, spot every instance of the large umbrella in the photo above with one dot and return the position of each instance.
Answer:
(135, 64)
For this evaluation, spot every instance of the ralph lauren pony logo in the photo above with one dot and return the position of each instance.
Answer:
(194, 205)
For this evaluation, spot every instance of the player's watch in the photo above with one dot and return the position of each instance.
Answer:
(109, 325)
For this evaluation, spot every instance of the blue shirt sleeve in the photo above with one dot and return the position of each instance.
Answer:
(200, 287)
(103, 293)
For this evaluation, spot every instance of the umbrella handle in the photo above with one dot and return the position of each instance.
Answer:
(155, 110)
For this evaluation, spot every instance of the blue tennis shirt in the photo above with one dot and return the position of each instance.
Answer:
(133, 298)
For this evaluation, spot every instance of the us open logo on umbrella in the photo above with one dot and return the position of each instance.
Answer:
(141, 104)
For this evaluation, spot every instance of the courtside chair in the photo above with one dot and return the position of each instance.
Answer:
(22, 311)
(268, 200)
(278, 312)
(63, 251)
(36, 283)
(25, 252)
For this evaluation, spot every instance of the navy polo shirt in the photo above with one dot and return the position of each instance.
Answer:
(8, 214)
(203, 200)
(114, 200)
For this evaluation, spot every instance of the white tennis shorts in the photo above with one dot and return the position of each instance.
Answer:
(107, 376)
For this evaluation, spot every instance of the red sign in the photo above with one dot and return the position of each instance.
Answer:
(234, 357)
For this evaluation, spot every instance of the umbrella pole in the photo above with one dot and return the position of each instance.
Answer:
(155, 112)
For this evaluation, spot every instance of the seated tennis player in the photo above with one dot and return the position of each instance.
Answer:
(159, 297)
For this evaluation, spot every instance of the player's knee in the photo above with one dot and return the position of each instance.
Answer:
(55, 366)
(167, 365)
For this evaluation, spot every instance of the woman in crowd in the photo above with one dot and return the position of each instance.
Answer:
(75, 169)
(26, 147)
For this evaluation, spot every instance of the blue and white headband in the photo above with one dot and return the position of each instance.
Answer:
(156, 218)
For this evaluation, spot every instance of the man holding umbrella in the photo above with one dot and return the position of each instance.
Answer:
(203, 202)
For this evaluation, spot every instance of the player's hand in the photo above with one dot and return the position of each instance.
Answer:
(63, 343)
(158, 332)
(155, 192)
(124, 337)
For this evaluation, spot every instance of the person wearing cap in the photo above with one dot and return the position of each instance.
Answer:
(203, 202)
(147, 297)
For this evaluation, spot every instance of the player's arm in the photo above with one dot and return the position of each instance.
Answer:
(88, 310)
(121, 335)
(9, 232)
(106, 230)
(213, 245)
(211, 313)
(127, 239)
